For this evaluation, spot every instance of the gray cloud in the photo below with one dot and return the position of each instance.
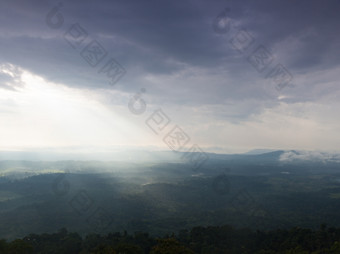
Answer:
(171, 49)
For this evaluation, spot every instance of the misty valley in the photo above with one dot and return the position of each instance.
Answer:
(259, 192)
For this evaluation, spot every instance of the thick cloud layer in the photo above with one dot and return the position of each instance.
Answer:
(204, 76)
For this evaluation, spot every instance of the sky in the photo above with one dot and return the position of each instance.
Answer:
(225, 76)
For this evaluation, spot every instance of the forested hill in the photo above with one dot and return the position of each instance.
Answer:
(214, 240)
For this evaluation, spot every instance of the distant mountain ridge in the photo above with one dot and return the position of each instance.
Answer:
(171, 156)
(139, 161)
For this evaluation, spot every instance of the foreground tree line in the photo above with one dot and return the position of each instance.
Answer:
(215, 240)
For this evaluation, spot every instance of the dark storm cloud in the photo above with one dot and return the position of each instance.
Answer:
(276, 21)
(164, 38)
